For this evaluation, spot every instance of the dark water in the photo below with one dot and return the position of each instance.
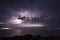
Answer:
(9, 32)
(14, 32)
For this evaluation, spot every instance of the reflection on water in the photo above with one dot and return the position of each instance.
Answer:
(10, 32)
(13, 32)
(5, 28)
(7, 32)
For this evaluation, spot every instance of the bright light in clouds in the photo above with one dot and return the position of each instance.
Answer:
(31, 25)
(15, 20)
(26, 13)
(20, 23)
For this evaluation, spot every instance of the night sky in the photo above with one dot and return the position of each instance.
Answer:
(9, 9)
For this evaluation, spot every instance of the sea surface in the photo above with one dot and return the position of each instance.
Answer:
(14, 32)
(5, 32)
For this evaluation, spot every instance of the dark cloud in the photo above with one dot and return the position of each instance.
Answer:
(9, 8)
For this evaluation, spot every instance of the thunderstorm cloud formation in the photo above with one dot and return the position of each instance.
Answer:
(30, 13)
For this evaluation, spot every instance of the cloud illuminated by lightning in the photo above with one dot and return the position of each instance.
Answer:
(30, 25)
(27, 13)
(15, 20)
